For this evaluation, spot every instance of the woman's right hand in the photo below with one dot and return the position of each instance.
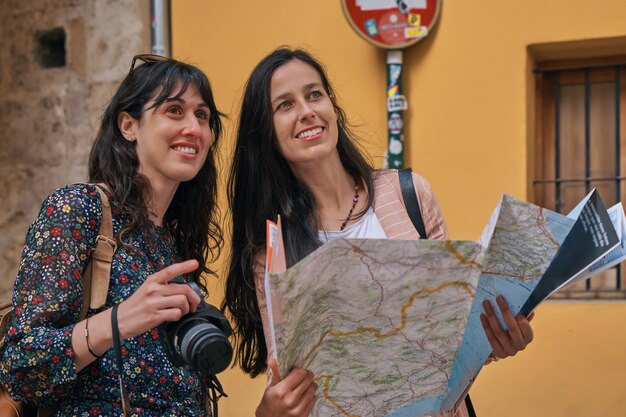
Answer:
(293, 396)
(158, 301)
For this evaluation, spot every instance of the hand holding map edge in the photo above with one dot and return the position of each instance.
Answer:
(517, 335)
(293, 396)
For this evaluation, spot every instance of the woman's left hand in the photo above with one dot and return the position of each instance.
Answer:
(506, 343)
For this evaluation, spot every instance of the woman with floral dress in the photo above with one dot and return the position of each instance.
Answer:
(154, 158)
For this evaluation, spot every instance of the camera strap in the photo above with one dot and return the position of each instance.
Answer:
(118, 359)
(214, 391)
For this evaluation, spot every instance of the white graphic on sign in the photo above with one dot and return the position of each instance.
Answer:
(390, 4)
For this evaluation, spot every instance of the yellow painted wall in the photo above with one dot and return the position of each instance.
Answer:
(575, 367)
(469, 130)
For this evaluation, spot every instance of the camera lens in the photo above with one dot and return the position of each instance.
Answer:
(205, 347)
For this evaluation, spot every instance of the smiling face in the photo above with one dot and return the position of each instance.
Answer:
(305, 122)
(172, 139)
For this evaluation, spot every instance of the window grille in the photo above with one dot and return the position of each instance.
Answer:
(580, 146)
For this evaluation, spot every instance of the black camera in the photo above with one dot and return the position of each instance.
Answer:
(198, 339)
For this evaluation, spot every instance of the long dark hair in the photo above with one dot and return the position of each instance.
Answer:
(192, 214)
(262, 186)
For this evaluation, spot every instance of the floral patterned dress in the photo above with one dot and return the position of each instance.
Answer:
(37, 365)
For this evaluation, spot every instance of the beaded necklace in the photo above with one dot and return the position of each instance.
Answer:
(355, 200)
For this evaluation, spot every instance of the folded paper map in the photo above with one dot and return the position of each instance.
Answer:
(392, 327)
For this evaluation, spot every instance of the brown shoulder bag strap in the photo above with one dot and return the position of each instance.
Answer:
(5, 313)
(97, 274)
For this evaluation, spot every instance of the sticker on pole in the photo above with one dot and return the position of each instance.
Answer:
(392, 24)
(395, 124)
(396, 103)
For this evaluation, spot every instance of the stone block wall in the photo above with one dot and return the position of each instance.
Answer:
(60, 62)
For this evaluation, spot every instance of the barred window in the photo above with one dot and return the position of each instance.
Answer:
(580, 145)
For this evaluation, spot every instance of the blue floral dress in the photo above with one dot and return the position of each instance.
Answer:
(37, 365)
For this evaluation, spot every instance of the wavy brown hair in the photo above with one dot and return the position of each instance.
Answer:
(193, 213)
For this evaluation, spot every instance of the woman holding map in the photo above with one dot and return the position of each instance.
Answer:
(296, 157)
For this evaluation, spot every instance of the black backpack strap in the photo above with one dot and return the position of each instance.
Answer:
(415, 214)
(410, 201)
(470, 406)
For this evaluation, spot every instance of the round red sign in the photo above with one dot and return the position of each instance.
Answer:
(392, 24)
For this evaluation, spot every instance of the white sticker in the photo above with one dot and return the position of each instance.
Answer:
(394, 73)
(395, 147)
(396, 103)
(395, 124)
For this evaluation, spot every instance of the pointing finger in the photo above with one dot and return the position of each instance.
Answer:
(166, 274)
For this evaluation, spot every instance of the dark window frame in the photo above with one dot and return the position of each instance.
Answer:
(550, 78)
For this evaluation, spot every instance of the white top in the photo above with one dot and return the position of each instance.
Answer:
(367, 227)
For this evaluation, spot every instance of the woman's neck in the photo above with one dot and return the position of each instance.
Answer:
(332, 188)
(159, 200)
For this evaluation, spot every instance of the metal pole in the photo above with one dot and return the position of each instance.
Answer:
(557, 141)
(587, 145)
(618, 155)
(396, 105)
(160, 14)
